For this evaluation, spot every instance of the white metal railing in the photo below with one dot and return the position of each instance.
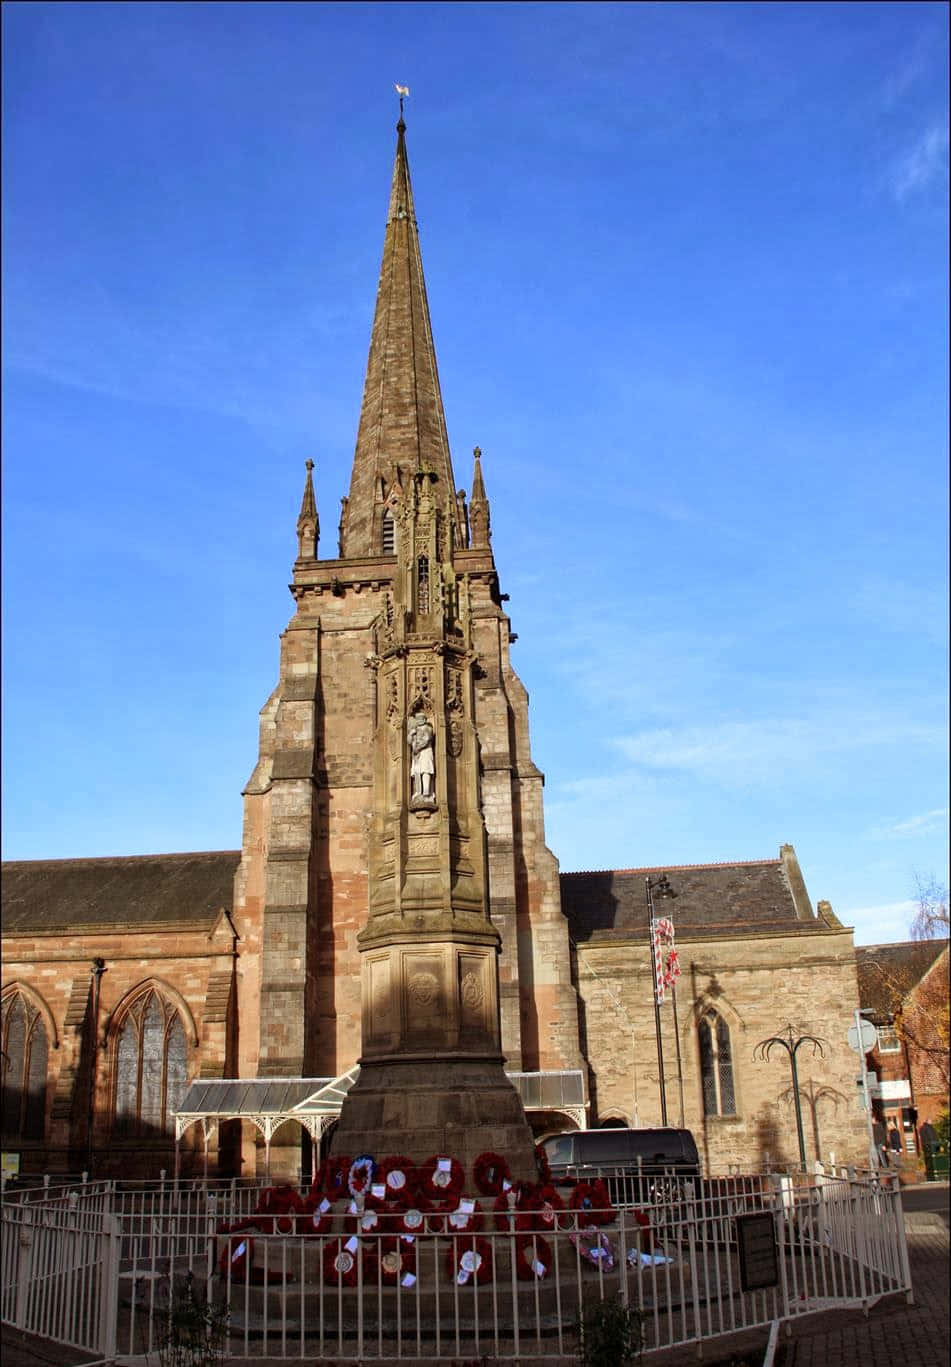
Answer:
(96, 1270)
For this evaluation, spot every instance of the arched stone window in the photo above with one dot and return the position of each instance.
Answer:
(25, 1057)
(716, 1065)
(151, 1066)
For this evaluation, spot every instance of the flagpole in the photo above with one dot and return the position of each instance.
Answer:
(680, 1065)
(661, 882)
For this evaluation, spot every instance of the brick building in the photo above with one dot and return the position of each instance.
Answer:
(224, 988)
(905, 990)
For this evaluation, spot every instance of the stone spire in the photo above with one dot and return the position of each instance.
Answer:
(308, 523)
(402, 425)
(480, 529)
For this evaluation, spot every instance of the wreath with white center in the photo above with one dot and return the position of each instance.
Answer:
(533, 1257)
(469, 1260)
(361, 1176)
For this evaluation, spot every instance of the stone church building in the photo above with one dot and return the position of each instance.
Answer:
(212, 1008)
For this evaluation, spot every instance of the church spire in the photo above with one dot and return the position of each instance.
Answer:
(480, 530)
(308, 523)
(402, 425)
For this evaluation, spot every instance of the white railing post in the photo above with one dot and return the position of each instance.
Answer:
(109, 1287)
(899, 1218)
(24, 1266)
(779, 1219)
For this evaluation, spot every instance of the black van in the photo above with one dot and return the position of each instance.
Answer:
(637, 1165)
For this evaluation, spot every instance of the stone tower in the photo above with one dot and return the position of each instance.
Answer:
(393, 834)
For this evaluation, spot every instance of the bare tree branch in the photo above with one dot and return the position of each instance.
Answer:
(931, 918)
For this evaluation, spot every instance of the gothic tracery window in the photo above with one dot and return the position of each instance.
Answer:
(25, 1057)
(151, 1066)
(716, 1065)
(422, 584)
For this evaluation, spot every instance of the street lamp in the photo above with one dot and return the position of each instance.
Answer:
(661, 887)
(788, 1041)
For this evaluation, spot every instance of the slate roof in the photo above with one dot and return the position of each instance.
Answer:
(887, 973)
(712, 899)
(139, 891)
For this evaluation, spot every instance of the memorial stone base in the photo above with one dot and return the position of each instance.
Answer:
(455, 1107)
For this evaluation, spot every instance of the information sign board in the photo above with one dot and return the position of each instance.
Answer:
(756, 1241)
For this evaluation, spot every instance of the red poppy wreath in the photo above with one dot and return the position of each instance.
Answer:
(544, 1213)
(441, 1177)
(469, 1260)
(398, 1175)
(317, 1215)
(340, 1262)
(397, 1262)
(411, 1219)
(491, 1172)
(592, 1202)
(533, 1258)
(276, 1209)
(236, 1257)
(336, 1171)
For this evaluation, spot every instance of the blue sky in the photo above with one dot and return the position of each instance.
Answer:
(687, 274)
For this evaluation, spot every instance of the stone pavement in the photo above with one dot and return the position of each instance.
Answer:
(894, 1334)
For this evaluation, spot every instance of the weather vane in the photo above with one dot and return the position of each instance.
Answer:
(403, 92)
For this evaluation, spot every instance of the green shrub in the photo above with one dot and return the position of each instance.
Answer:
(611, 1334)
(192, 1332)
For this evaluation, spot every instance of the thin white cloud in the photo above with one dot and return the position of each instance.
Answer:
(743, 752)
(880, 925)
(922, 165)
(921, 824)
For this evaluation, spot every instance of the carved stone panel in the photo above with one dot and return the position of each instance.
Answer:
(475, 996)
(424, 998)
(381, 1022)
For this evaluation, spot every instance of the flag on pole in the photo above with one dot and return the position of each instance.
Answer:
(402, 90)
(665, 957)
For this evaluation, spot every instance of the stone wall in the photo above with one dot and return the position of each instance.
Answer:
(758, 985)
(191, 969)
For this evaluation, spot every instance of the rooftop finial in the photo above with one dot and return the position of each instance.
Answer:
(403, 92)
(308, 523)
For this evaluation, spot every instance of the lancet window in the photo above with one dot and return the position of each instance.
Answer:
(716, 1065)
(25, 1057)
(151, 1066)
(422, 584)
(389, 532)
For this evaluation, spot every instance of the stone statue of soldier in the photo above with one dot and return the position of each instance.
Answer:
(421, 738)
